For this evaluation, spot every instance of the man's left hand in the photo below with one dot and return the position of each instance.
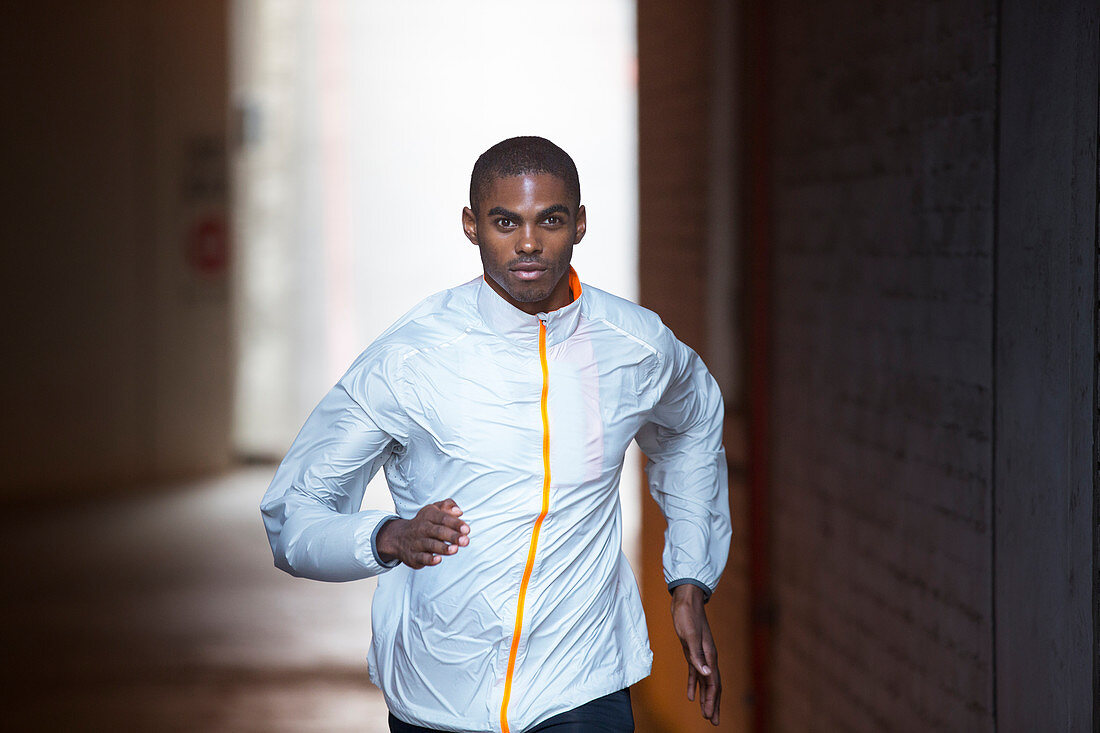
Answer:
(690, 621)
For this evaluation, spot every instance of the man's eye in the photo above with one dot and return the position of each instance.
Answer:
(506, 223)
(553, 220)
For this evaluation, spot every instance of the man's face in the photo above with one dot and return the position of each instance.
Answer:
(526, 228)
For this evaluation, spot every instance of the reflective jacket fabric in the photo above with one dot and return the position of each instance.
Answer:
(524, 421)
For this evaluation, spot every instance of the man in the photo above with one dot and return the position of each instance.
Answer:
(501, 411)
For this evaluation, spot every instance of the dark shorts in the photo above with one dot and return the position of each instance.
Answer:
(607, 714)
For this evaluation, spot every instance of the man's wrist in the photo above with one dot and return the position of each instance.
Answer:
(384, 541)
(685, 588)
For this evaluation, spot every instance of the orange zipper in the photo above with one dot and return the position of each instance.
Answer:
(534, 534)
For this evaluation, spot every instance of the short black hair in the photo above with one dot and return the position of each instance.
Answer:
(519, 156)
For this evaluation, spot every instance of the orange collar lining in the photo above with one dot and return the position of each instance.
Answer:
(574, 285)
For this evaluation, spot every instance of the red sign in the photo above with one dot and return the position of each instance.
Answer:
(208, 245)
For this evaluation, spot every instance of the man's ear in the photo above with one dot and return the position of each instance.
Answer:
(469, 225)
(582, 223)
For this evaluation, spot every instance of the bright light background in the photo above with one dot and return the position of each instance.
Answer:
(360, 121)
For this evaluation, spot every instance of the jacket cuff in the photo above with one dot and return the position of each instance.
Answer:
(374, 544)
(692, 581)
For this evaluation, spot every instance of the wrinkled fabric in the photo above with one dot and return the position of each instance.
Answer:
(447, 403)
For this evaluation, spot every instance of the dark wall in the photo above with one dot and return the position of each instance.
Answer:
(1044, 462)
(933, 209)
(884, 173)
(117, 356)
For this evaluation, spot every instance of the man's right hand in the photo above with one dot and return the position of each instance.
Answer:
(435, 531)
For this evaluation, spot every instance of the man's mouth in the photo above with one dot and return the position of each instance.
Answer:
(528, 270)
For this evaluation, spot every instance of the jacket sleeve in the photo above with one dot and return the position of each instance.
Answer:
(311, 510)
(686, 470)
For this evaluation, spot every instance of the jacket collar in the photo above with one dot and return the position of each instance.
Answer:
(514, 325)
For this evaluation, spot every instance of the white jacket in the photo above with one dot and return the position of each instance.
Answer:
(524, 421)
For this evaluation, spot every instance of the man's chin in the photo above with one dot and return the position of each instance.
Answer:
(527, 292)
(529, 295)
(522, 293)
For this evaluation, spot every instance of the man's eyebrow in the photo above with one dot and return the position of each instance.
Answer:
(501, 211)
(556, 208)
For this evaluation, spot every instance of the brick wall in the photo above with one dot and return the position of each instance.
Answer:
(883, 207)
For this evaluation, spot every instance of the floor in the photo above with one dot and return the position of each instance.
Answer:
(164, 613)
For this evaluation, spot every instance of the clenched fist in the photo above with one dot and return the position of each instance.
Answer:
(435, 531)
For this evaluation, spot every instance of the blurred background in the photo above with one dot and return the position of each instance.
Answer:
(877, 223)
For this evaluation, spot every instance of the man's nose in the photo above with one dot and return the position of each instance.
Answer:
(529, 240)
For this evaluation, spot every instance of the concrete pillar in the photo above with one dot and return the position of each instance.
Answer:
(1045, 572)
